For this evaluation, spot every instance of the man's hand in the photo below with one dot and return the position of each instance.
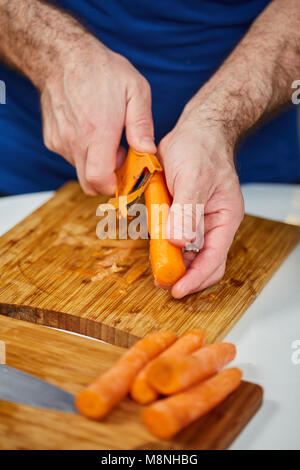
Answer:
(199, 167)
(254, 83)
(89, 94)
(86, 103)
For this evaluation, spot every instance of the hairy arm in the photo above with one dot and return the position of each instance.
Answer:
(88, 93)
(255, 82)
(34, 36)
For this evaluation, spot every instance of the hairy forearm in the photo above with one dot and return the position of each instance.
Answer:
(255, 81)
(35, 37)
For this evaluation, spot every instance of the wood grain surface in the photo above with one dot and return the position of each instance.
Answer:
(71, 362)
(55, 271)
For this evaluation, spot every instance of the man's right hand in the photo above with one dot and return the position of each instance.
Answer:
(89, 94)
(88, 98)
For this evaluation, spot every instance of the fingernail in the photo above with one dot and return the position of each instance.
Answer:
(180, 290)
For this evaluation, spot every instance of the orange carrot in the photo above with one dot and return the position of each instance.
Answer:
(141, 391)
(167, 417)
(110, 388)
(171, 375)
(166, 259)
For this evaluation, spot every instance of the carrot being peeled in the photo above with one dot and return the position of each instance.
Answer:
(172, 375)
(141, 391)
(167, 417)
(166, 259)
(112, 386)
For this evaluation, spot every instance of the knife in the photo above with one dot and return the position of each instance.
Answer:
(19, 387)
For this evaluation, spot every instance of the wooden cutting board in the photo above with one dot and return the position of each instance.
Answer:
(55, 271)
(71, 362)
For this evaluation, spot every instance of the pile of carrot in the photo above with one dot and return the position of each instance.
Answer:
(183, 369)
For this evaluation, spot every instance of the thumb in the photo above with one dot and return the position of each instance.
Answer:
(185, 225)
(139, 121)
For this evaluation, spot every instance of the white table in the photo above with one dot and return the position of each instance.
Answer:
(265, 334)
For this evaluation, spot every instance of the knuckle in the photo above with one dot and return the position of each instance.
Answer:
(48, 145)
(69, 137)
(93, 179)
(163, 145)
(90, 128)
(48, 142)
(217, 278)
(242, 209)
(221, 272)
(239, 212)
(142, 85)
(241, 216)
(96, 181)
(88, 191)
(53, 146)
(142, 122)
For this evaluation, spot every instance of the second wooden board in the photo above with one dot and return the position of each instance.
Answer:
(55, 271)
(71, 362)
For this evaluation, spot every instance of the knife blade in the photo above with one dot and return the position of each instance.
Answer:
(19, 387)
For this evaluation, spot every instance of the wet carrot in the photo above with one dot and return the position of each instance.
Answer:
(166, 259)
(141, 390)
(167, 417)
(171, 375)
(110, 388)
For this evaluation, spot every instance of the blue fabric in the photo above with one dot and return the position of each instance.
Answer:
(177, 45)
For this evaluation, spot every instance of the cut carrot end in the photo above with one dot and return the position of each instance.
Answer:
(169, 375)
(162, 376)
(89, 404)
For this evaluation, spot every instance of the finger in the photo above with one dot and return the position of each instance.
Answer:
(211, 259)
(101, 161)
(213, 279)
(121, 156)
(188, 258)
(186, 213)
(80, 163)
(162, 286)
(139, 121)
(53, 140)
(80, 169)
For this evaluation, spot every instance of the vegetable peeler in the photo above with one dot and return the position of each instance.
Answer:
(133, 177)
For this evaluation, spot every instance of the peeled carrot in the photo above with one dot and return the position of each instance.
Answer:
(111, 387)
(166, 259)
(141, 391)
(171, 375)
(167, 417)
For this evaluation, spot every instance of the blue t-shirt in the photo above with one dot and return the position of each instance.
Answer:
(177, 45)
